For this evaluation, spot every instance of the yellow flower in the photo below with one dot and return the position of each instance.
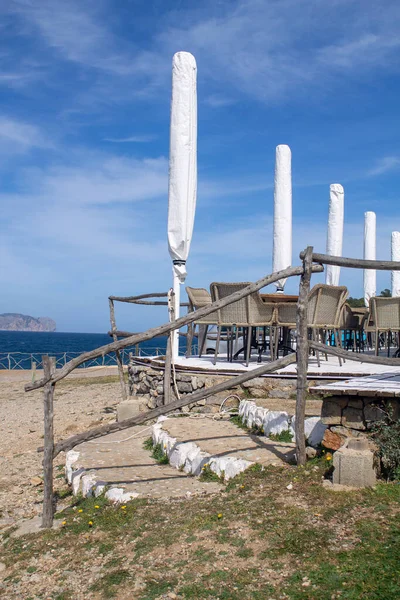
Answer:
(80, 510)
(64, 522)
(90, 523)
(328, 456)
(242, 487)
(123, 507)
(220, 516)
(97, 506)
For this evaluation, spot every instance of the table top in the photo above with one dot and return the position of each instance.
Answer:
(278, 298)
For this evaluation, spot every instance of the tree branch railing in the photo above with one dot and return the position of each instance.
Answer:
(301, 357)
(170, 326)
(354, 263)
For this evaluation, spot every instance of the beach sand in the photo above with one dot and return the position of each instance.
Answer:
(82, 400)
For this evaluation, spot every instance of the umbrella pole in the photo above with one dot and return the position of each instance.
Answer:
(177, 299)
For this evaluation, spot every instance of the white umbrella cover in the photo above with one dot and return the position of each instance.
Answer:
(182, 170)
(334, 241)
(369, 254)
(396, 257)
(282, 236)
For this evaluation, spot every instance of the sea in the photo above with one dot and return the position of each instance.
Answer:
(19, 349)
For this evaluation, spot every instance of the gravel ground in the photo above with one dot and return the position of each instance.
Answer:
(80, 403)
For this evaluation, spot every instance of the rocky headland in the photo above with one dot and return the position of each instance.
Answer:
(18, 322)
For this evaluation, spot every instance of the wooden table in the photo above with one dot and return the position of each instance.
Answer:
(278, 298)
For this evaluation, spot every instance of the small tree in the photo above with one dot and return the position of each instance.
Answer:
(385, 293)
(355, 302)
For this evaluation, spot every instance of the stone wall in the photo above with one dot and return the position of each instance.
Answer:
(352, 417)
(146, 383)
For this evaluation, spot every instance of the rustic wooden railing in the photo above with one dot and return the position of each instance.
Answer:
(115, 334)
(51, 377)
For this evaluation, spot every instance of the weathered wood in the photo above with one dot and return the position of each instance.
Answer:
(117, 352)
(356, 356)
(140, 297)
(354, 263)
(302, 355)
(167, 327)
(190, 331)
(73, 441)
(48, 393)
(168, 352)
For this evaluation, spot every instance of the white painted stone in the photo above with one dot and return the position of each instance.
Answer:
(199, 461)
(275, 422)
(236, 466)
(242, 407)
(99, 488)
(180, 453)
(247, 408)
(191, 458)
(119, 496)
(70, 460)
(251, 415)
(228, 467)
(88, 483)
(314, 430)
(155, 433)
(76, 480)
(259, 416)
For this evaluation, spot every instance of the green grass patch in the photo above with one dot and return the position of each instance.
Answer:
(283, 436)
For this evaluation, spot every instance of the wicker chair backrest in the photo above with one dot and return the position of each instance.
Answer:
(237, 312)
(385, 313)
(198, 298)
(325, 305)
(260, 313)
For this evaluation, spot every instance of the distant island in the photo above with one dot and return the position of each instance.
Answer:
(18, 322)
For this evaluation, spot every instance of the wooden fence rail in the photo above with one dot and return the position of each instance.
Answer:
(354, 263)
(167, 327)
(305, 271)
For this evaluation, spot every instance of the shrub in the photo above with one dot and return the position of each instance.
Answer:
(386, 435)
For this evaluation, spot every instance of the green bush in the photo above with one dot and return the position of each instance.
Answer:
(386, 435)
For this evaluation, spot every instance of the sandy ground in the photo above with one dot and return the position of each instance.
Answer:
(81, 401)
(84, 399)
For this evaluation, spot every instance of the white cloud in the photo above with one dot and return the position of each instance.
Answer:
(385, 165)
(135, 139)
(265, 50)
(17, 136)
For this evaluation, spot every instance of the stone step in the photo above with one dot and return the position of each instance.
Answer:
(125, 470)
(192, 443)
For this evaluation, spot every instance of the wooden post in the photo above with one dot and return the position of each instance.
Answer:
(117, 352)
(33, 371)
(48, 393)
(302, 355)
(190, 331)
(168, 353)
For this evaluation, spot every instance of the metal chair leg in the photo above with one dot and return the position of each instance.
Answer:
(217, 345)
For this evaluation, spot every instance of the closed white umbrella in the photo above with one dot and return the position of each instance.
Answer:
(369, 254)
(334, 241)
(282, 236)
(182, 170)
(396, 257)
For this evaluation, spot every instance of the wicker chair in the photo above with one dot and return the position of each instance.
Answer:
(286, 318)
(233, 316)
(199, 298)
(325, 305)
(261, 314)
(384, 317)
(352, 323)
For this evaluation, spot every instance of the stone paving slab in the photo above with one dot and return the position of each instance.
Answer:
(223, 438)
(129, 466)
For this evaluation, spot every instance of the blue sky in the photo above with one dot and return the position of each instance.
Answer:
(84, 136)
